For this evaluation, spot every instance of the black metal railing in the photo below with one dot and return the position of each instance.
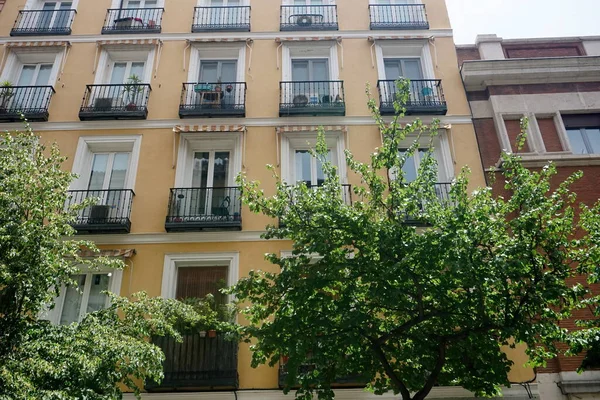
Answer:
(398, 16)
(111, 212)
(127, 101)
(312, 98)
(197, 362)
(43, 22)
(221, 18)
(426, 97)
(345, 193)
(133, 20)
(31, 101)
(308, 18)
(226, 99)
(354, 380)
(201, 208)
(442, 191)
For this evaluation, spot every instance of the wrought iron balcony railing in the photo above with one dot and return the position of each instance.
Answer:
(426, 97)
(127, 101)
(308, 18)
(224, 99)
(193, 209)
(221, 18)
(398, 16)
(31, 101)
(312, 98)
(354, 380)
(43, 22)
(345, 193)
(133, 20)
(197, 362)
(110, 214)
(442, 191)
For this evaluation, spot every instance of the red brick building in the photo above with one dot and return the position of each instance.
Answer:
(555, 83)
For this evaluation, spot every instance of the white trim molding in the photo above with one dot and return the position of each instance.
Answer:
(167, 238)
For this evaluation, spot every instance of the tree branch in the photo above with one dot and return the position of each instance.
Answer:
(389, 371)
(432, 379)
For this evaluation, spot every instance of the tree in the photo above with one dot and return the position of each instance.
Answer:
(85, 360)
(409, 307)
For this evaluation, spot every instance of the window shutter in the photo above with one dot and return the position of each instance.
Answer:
(200, 281)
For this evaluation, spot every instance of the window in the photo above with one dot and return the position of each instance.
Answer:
(409, 68)
(441, 153)
(410, 59)
(411, 167)
(218, 71)
(58, 15)
(140, 4)
(217, 63)
(74, 302)
(584, 140)
(309, 169)
(117, 64)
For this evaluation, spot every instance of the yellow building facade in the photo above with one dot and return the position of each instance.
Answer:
(159, 104)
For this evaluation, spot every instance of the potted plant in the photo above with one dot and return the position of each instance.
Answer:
(132, 88)
(6, 93)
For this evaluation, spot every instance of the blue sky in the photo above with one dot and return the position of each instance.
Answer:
(523, 18)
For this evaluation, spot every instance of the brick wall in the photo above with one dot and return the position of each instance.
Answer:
(549, 134)
(513, 128)
(487, 139)
(466, 54)
(542, 50)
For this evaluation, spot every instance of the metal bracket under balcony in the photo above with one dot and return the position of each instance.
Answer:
(43, 22)
(30, 101)
(442, 190)
(197, 209)
(308, 18)
(197, 363)
(133, 20)
(110, 214)
(398, 16)
(222, 99)
(312, 98)
(104, 102)
(426, 97)
(221, 18)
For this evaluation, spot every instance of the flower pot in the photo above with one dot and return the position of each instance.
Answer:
(202, 333)
(212, 333)
(131, 107)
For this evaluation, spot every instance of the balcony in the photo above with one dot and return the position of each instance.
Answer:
(342, 381)
(223, 99)
(104, 102)
(398, 16)
(221, 18)
(426, 97)
(110, 214)
(133, 20)
(312, 98)
(345, 193)
(43, 22)
(197, 363)
(196, 209)
(442, 191)
(308, 18)
(31, 101)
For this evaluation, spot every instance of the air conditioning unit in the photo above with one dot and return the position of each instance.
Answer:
(99, 212)
(304, 20)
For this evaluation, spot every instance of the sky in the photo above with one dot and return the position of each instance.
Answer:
(511, 19)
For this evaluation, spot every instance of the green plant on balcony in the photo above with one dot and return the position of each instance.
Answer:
(132, 88)
(6, 93)
(222, 315)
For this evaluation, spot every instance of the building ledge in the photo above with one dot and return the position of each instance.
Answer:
(480, 74)
(571, 387)
(560, 159)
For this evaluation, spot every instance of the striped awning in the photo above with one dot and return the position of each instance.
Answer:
(311, 128)
(39, 43)
(122, 253)
(209, 128)
(218, 40)
(153, 42)
(308, 39)
(397, 37)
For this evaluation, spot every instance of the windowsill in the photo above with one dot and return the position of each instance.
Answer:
(560, 159)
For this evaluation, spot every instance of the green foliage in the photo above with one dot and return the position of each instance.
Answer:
(365, 293)
(83, 360)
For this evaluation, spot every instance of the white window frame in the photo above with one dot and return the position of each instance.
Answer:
(290, 142)
(311, 50)
(219, 52)
(308, 3)
(17, 58)
(406, 49)
(192, 142)
(441, 152)
(207, 3)
(114, 286)
(116, 4)
(182, 260)
(38, 4)
(394, 2)
(90, 145)
(124, 53)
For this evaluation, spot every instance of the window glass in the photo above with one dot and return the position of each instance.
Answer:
(576, 141)
(303, 166)
(200, 171)
(594, 139)
(97, 299)
(98, 172)
(43, 77)
(119, 171)
(137, 69)
(27, 74)
(320, 173)
(221, 173)
(118, 73)
(72, 303)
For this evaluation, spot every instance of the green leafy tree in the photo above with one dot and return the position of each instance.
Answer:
(85, 360)
(405, 307)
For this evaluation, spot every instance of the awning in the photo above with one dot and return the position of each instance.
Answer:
(397, 37)
(311, 128)
(218, 40)
(308, 39)
(209, 128)
(39, 43)
(121, 253)
(152, 42)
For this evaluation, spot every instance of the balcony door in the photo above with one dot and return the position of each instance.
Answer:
(309, 169)
(119, 94)
(409, 68)
(32, 97)
(211, 178)
(142, 13)
(108, 175)
(56, 15)
(224, 13)
(311, 82)
(219, 90)
(88, 296)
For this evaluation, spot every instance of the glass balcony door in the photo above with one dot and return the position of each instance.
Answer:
(108, 176)
(217, 90)
(211, 174)
(88, 296)
(310, 79)
(409, 68)
(309, 169)
(141, 12)
(56, 15)
(36, 76)
(224, 12)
